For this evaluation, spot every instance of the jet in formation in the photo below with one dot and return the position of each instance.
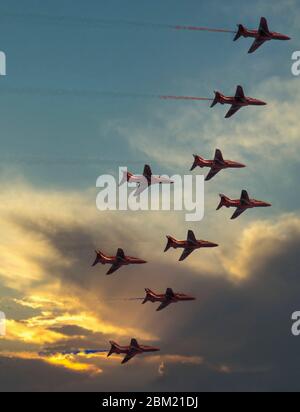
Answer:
(130, 351)
(216, 165)
(237, 102)
(166, 298)
(188, 245)
(145, 180)
(116, 261)
(261, 35)
(241, 204)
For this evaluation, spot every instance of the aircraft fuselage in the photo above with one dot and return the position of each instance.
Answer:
(177, 244)
(242, 205)
(177, 297)
(242, 102)
(264, 36)
(226, 164)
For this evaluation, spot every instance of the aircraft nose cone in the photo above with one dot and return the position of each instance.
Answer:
(213, 244)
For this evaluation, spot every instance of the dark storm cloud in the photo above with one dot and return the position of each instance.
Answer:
(247, 327)
(77, 241)
(77, 338)
(242, 330)
(71, 330)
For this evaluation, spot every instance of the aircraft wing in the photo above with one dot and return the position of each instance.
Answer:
(234, 108)
(129, 356)
(191, 237)
(245, 197)
(213, 171)
(185, 254)
(218, 156)
(113, 268)
(147, 172)
(141, 187)
(163, 305)
(239, 94)
(257, 43)
(263, 26)
(120, 254)
(237, 213)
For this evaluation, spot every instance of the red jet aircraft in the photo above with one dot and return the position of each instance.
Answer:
(166, 298)
(116, 261)
(241, 204)
(237, 102)
(188, 245)
(145, 180)
(216, 165)
(132, 350)
(261, 35)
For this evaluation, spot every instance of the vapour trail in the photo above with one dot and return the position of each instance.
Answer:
(93, 94)
(90, 22)
(72, 352)
(196, 28)
(121, 299)
(185, 98)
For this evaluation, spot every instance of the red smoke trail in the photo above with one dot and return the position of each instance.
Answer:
(75, 352)
(195, 28)
(121, 299)
(92, 94)
(184, 98)
(95, 22)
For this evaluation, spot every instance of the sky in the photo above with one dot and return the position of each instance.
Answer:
(59, 132)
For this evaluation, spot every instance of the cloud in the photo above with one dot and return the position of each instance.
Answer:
(74, 306)
(263, 240)
(171, 138)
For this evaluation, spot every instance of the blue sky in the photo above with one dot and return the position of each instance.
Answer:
(119, 58)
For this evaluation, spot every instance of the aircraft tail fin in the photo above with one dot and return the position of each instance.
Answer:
(99, 257)
(197, 162)
(113, 348)
(241, 31)
(148, 297)
(216, 99)
(170, 243)
(126, 177)
(222, 201)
